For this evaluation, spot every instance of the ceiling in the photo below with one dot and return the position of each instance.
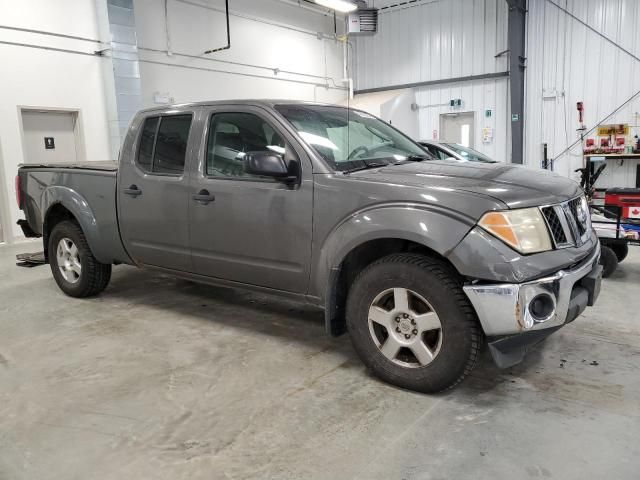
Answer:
(399, 3)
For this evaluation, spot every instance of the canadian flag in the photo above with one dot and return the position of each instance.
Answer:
(634, 212)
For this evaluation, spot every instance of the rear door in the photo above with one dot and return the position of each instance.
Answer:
(153, 191)
(252, 229)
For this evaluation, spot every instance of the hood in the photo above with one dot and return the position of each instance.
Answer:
(514, 185)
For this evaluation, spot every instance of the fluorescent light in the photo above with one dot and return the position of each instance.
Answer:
(339, 5)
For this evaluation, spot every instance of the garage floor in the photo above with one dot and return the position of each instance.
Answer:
(163, 379)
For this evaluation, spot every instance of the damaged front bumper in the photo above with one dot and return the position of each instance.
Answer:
(516, 316)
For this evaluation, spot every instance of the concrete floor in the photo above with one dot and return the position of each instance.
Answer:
(163, 379)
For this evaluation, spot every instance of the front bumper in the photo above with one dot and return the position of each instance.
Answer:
(509, 319)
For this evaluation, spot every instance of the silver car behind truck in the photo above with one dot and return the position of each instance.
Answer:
(418, 260)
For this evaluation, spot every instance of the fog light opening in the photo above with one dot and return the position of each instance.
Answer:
(541, 307)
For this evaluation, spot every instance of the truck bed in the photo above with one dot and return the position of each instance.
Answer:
(87, 190)
(106, 165)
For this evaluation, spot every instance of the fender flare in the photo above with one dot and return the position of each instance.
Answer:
(80, 209)
(433, 227)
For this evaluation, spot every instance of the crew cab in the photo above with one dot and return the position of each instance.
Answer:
(419, 260)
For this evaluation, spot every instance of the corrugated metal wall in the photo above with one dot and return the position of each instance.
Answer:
(567, 63)
(433, 40)
(439, 40)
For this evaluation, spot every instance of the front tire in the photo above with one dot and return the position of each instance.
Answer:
(74, 268)
(411, 323)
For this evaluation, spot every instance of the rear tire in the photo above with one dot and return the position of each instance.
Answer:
(436, 315)
(74, 268)
(621, 250)
(608, 260)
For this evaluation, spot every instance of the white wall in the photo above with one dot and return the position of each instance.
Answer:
(270, 33)
(266, 35)
(33, 77)
(372, 102)
(567, 63)
(399, 112)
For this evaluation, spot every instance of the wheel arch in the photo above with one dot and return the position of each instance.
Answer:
(359, 241)
(62, 203)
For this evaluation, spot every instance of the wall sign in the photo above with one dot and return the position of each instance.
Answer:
(487, 113)
(619, 129)
(49, 143)
(487, 135)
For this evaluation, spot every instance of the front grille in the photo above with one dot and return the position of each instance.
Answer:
(565, 224)
(573, 208)
(555, 226)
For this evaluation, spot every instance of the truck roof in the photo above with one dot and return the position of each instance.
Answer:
(270, 103)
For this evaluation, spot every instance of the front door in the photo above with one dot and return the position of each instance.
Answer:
(245, 228)
(153, 193)
(458, 128)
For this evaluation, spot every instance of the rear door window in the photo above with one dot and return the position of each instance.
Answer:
(163, 144)
(171, 144)
(147, 140)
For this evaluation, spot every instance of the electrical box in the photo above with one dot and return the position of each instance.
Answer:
(363, 21)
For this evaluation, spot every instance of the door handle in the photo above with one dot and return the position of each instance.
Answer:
(133, 190)
(203, 197)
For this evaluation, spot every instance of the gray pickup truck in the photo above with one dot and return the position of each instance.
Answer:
(419, 260)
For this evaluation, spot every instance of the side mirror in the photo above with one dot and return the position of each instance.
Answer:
(267, 164)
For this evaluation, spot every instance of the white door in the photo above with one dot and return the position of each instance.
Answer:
(49, 137)
(458, 128)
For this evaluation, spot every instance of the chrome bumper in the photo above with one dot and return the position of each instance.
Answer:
(506, 309)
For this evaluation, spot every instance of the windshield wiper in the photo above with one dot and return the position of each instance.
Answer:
(418, 158)
(366, 165)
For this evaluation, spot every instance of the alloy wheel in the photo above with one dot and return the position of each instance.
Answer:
(68, 260)
(405, 327)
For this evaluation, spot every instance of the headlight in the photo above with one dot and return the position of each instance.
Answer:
(524, 229)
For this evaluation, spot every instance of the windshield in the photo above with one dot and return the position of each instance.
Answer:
(350, 139)
(469, 153)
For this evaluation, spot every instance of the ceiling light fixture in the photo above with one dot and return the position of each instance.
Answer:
(344, 6)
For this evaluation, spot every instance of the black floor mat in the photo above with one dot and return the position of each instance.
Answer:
(30, 259)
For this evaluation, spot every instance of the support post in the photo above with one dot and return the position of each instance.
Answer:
(517, 64)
